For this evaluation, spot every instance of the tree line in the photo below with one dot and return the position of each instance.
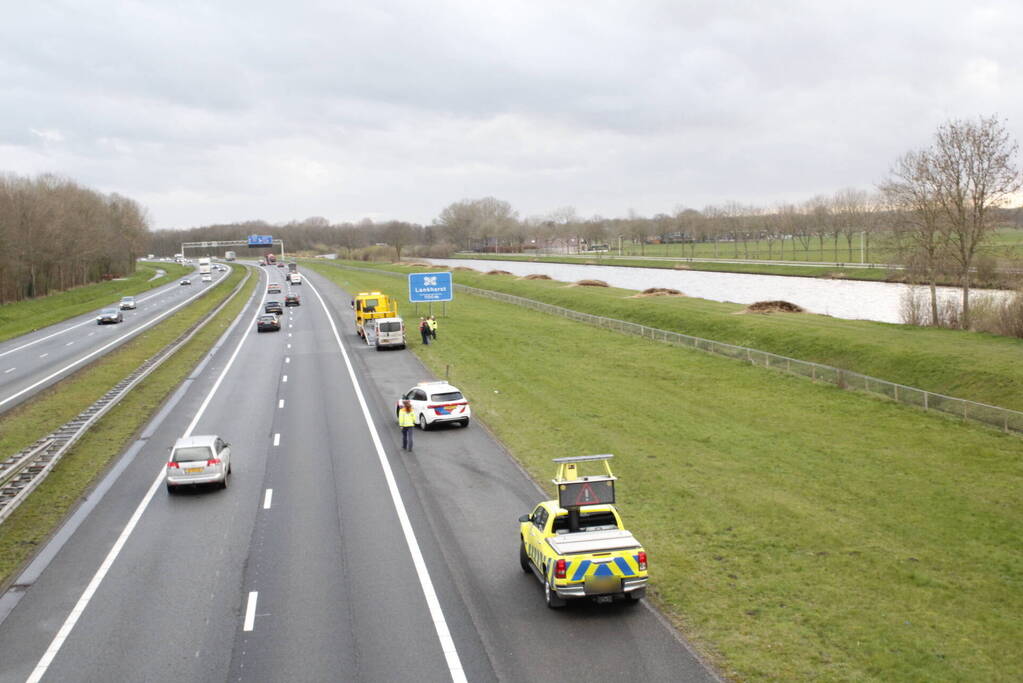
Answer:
(57, 234)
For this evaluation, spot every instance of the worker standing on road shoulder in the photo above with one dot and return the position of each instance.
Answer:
(407, 422)
(424, 330)
(432, 324)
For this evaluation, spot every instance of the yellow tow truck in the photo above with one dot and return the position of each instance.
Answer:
(577, 545)
(372, 305)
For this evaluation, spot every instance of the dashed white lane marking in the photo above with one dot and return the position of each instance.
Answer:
(289, 346)
(9, 370)
(250, 611)
(90, 334)
(287, 359)
(277, 439)
(44, 355)
(280, 404)
(290, 326)
(69, 343)
(284, 379)
(267, 497)
(289, 334)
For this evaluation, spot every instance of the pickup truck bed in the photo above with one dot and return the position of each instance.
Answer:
(593, 542)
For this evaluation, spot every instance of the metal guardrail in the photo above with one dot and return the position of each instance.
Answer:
(21, 473)
(1006, 419)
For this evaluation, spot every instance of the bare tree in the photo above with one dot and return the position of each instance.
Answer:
(972, 168)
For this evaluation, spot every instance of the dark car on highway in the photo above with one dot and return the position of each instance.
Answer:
(292, 300)
(268, 323)
(109, 315)
(273, 307)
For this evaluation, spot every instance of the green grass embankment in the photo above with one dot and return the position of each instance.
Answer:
(35, 519)
(20, 317)
(873, 274)
(796, 531)
(973, 365)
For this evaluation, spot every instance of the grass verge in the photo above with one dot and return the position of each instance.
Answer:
(25, 316)
(972, 365)
(33, 522)
(796, 531)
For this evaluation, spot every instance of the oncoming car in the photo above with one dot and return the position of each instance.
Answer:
(268, 323)
(196, 460)
(186, 281)
(109, 315)
(436, 402)
(127, 303)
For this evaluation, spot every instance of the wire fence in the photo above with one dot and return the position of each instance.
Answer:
(1010, 421)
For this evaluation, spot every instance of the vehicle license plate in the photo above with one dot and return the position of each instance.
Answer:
(602, 584)
(193, 470)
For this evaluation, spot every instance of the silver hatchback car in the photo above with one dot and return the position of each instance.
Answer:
(198, 460)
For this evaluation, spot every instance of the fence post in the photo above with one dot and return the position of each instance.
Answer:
(926, 395)
(896, 392)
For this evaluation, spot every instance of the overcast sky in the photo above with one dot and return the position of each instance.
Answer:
(221, 111)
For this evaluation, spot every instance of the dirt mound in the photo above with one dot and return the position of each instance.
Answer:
(680, 266)
(415, 264)
(537, 276)
(591, 283)
(773, 307)
(498, 272)
(465, 269)
(657, 291)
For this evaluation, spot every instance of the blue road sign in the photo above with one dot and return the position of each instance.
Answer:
(427, 287)
(261, 240)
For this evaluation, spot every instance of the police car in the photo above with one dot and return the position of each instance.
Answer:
(436, 402)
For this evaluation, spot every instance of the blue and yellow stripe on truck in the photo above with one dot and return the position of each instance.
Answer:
(576, 571)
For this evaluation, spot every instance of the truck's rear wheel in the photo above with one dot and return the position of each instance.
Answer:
(524, 558)
(550, 597)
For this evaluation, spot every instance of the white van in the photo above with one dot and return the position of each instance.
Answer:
(389, 332)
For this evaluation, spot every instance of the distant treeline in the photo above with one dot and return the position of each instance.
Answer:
(56, 234)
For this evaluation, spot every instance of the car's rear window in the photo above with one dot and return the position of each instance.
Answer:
(192, 454)
(593, 521)
(449, 396)
(267, 318)
(390, 327)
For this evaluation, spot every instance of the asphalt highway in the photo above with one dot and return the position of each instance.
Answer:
(34, 361)
(332, 555)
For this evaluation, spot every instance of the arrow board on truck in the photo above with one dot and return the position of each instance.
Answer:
(598, 491)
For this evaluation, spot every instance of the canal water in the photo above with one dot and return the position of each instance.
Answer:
(852, 299)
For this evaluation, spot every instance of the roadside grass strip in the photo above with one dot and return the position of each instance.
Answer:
(32, 523)
(971, 365)
(20, 317)
(796, 531)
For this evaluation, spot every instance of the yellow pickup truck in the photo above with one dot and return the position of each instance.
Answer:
(577, 546)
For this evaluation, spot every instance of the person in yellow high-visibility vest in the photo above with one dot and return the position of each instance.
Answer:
(431, 322)
(407, 422)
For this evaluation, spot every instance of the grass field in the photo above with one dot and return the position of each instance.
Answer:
(1004, 243)
(973, 365)
(33, 522)
(24, 316)
(873, 274)
(796, 531)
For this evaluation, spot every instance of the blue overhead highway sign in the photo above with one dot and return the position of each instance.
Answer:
(428, 287)
(261, 240)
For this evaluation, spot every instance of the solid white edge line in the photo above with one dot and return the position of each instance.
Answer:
(277, 439)
(90, 590)
(268, 498)
(250, 611)
(72, 327)
(106, 346)
(447, 643)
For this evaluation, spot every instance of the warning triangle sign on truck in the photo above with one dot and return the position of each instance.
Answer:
(586, 495)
